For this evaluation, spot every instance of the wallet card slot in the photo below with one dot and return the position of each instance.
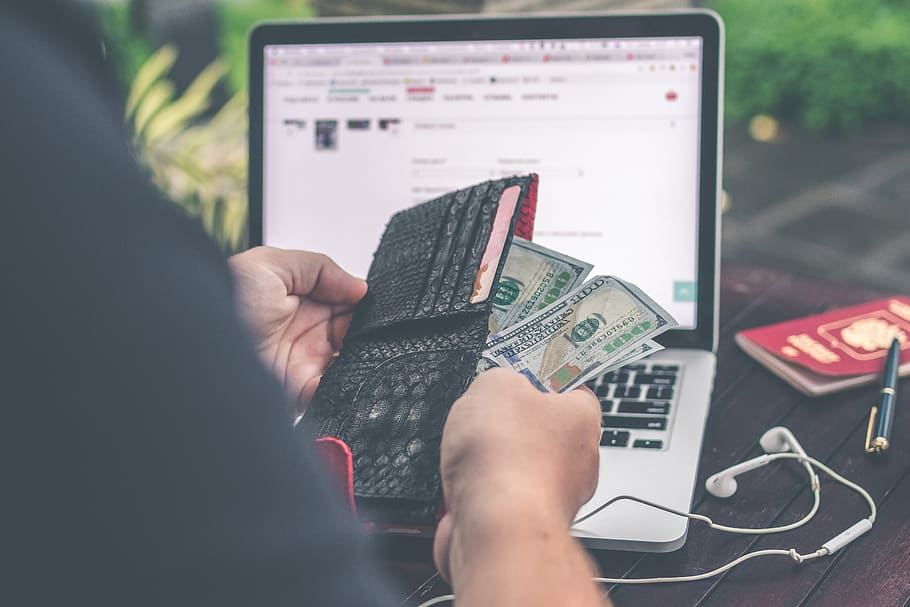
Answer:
(467, 250)
(473, 254)
(398, 275)
(490, 249)
(447, 243)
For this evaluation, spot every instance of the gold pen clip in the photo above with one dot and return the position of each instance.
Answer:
(869, 447)
(879, 444)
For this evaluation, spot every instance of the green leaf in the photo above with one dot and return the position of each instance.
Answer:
(173, 119)
(194, 101)
(149, 74)
(157, 97)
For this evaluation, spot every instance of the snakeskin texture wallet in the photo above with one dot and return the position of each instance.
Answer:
(414, 344)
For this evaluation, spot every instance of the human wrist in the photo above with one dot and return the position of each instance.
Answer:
(527, 542)
(510, 513)
(489, 492)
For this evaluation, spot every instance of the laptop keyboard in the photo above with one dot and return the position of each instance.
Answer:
(637, 404)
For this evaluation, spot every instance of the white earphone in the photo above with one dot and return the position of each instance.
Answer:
(775, 440)
(778, 444)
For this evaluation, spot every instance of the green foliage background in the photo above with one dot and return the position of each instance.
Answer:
(127, 50)
(235, 18)
(833, 65)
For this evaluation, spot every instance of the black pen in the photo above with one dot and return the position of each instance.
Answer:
(882, 416)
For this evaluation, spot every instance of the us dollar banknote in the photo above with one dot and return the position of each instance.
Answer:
(533, 277)
(602, 324)
(646, 349)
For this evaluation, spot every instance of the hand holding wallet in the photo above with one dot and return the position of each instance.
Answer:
(415, 341)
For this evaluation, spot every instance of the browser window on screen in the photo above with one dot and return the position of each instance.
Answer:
(355, 132)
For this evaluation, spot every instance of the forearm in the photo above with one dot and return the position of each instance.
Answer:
(521, 557)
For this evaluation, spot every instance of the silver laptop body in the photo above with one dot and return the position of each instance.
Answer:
(619, 114)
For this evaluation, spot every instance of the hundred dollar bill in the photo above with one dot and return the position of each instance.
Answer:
(533, 277)
(587, 331)
(646, 349)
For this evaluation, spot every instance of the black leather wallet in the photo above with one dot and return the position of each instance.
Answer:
(414, 344)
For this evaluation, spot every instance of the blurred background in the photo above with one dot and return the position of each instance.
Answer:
(817, 153)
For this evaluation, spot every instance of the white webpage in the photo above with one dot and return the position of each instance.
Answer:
(354, 133)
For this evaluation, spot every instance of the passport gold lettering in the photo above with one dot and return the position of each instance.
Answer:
(899, 308)
(813, 348)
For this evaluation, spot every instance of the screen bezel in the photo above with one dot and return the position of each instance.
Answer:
(704, 24)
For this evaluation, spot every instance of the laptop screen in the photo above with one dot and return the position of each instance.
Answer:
(355, 132)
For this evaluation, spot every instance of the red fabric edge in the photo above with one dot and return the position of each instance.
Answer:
(524, 227)
(339, 461)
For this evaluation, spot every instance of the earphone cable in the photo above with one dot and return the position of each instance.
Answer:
(445, 598)
(793, 554)
(808, 461)
(805, 459)
(708, 520)
(799, 558)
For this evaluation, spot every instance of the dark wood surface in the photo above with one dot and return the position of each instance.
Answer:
(747, 399)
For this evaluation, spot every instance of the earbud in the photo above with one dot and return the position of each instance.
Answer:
(779, 439)
(776, 440)
(723, 483)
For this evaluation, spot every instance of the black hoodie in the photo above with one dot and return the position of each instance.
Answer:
(147, 456)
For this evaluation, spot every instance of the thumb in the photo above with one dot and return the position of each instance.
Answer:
(316, 276)
(585, 407)
(335, 286)
(442, 544)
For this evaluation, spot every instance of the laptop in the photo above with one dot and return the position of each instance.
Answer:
(619, 114)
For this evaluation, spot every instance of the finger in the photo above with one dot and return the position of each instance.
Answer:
(582, 398)
(585, 408)
(585, 424)
(441, 545)
(338, 326)
(505, 378)
(306, 394)
(317, 276)
(585, 388)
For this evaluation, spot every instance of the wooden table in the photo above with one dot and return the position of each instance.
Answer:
(747, 399)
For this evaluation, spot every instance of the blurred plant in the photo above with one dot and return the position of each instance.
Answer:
(827, 64)
(200, 163)
(128, 48)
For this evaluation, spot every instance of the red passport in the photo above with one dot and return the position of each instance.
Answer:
(836, 350)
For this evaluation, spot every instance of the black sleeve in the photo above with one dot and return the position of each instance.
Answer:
(149, 456)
